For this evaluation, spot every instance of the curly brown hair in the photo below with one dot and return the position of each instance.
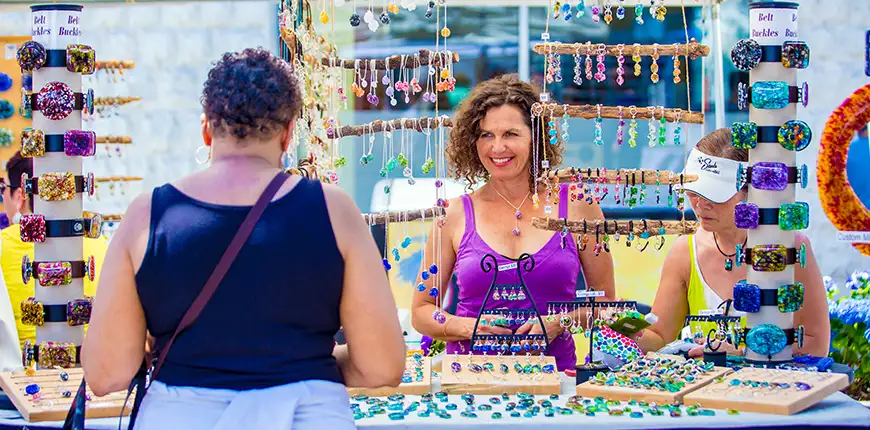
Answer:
(462, 148)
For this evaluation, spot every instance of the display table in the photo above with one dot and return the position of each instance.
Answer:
(836, 411)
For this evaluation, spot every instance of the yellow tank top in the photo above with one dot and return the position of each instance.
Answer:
(13, 249)
(696, 294)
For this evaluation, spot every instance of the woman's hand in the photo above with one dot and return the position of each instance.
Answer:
(725, 347)
(487, 326)
(553, 327)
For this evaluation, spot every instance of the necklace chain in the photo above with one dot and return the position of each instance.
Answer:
(517, 208)
(720, 249)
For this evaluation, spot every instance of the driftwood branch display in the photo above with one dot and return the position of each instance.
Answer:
(626, 176)
(115, 140)
(401, 216)
(116, 65)
(117, 179)
(611, 227)
(418, 124)
(612, 112)
(693, 50)
(112, 101)
(423, 58)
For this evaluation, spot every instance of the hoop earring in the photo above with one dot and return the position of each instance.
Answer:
(198, 157)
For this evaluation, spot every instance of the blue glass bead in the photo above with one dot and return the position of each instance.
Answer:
(433, 292)
(395, 406)
(620, 13)
(406, 379)
(451, 407)
(468, 414)
(425, 275)
(396, 255)
(766, 339)
(31, 389)
(636, 414)
(406, 242)
(423, 413)
(747, 297)
(358, 416)
(529, 414)
(515, 414)
(770, 95)
(421, 287)
(433, 269)
(387, 265)
(496, 415)
(549, 368)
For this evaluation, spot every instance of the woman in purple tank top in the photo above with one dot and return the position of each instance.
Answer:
(492, 143)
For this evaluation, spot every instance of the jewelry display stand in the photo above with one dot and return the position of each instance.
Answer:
(499, 373)
(804, 389)
(771, 24)
(591, 389)
(55, 26)
(419, 388)
(53, 405)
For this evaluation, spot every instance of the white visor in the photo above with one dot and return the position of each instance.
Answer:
(717, 177)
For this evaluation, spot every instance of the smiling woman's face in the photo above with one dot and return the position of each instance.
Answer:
(504, 143)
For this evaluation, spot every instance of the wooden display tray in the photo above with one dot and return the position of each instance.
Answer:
(416, 388)
(784, 402)
(589, 389)
(13, 384)
(485, 383)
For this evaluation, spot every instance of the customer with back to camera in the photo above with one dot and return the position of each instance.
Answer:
(261, 353)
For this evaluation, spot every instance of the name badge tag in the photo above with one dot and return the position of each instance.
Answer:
(508, 266)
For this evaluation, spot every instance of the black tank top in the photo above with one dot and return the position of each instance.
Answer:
(272, 319)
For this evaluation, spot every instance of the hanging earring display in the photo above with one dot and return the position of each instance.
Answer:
(598, 139)
(596, 11)
(652, 135)
(638, 69)
(578, 68)
(654, 67)
(620, 69)
(588, 61)
(581, 9)
(638, 13)
(620, 132)
(600, 75)
(632, 127)
(678, 129)
(663, 127)
(620, 11)
(608, 12)
(677, 63)
(564, 124)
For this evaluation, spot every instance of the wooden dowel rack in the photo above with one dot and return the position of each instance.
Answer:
(622, 227)
(377, 126)
(112, 101)
(376, 218)
(122, 65)
(612, 112)
(422, 58)
(626, 176)
(693, 50)
(117, 179)
(115, 140)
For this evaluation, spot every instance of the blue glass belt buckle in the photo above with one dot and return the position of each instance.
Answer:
(770, 95)
(746, 54)
(744, 135)
(747, 297)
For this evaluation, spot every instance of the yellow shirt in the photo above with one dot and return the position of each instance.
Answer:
(13, 250)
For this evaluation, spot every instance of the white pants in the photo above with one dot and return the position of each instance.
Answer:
(301, 405)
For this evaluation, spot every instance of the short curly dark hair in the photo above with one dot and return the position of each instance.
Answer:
(503, 90)
(252, 94)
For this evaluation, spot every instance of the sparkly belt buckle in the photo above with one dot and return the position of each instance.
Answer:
(32, 228)
(78, 311)
(56, 186)
(32, 312)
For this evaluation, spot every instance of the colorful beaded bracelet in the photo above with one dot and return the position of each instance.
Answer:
(57, 186)
(771, 176)
(747, 54)
(789, 216)
(771, 258)
(57, 101)
(74, 143)
(793, 135)
(750, 297)
(75, 312)
(50, 354)
(56, 273)
(76, 58)
(772, 95)
(35, 228)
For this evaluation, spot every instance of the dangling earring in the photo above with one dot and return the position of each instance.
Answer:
(198, 154)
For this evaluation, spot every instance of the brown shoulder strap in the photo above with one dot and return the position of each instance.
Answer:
(223, 265)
